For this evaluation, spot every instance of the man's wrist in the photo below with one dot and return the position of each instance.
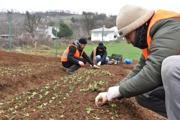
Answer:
(113, 92)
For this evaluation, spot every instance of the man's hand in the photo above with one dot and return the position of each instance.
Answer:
(101, 99)
(81, 63)
(104, 97)
(99, 63)
(96, 67)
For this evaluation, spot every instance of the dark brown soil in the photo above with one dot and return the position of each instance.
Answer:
(36, 88)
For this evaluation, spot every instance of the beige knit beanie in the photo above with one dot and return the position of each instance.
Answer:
(132, 17)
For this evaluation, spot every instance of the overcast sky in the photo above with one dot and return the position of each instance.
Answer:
(110, 7)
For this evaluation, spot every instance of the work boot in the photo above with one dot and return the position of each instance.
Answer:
(67, 70)
(72, 69)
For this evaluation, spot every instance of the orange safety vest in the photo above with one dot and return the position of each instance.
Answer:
(65, 54)
(159, 15)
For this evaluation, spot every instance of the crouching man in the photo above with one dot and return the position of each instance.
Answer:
(74, 57)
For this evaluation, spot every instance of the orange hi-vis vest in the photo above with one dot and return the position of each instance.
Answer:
(65, 54)
(159, 15)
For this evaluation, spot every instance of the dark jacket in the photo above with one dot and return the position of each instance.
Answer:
(102, 53)
(72, 60)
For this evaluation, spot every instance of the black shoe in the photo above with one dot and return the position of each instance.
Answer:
(70, 73)
(73, 68)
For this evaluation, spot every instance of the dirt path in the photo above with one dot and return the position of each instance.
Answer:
(35, 87)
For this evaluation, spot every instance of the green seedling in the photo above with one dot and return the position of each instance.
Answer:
(89, 110)
(93, 87)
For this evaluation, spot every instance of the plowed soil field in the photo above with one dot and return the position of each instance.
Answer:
(37, 88)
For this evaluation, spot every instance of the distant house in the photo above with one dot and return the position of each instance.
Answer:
(48, 31)
(104, 34)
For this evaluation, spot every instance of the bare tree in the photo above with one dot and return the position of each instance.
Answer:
(89, 21)
(31, 23)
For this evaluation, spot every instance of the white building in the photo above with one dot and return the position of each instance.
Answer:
(104, 34)
(48, 31)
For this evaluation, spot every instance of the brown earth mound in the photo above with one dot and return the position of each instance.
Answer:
(36, 87)
(20, 57)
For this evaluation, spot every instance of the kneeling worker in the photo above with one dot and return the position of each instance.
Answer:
(99, 54)
(74, 57)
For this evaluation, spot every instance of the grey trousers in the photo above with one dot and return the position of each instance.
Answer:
(170, 72)
(153, 100)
